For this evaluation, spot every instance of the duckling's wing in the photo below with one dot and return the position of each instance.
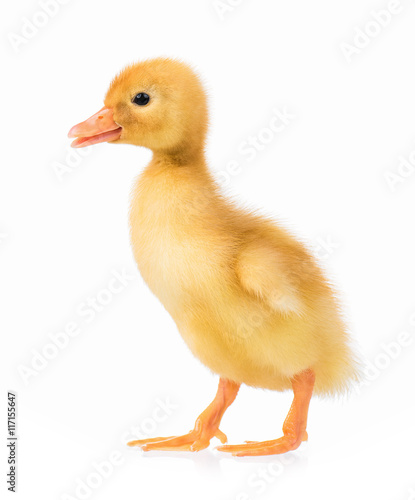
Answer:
(269, 274)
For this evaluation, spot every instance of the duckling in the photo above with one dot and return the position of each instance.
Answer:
(249, 299)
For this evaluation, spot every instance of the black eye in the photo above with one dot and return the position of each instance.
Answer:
(141, 99)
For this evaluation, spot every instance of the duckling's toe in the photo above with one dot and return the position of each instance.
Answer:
(192, 441)
(258, 448)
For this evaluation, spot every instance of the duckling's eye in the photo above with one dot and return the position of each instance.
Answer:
(141, 99)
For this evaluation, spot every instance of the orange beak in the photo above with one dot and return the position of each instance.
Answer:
(100, 127)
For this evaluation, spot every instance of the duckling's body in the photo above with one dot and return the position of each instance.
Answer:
(247, 297)
(203, 258)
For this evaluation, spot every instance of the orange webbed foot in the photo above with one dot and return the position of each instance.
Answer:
(206, 426)
(259, 448)
(294, 427)
(194, 440)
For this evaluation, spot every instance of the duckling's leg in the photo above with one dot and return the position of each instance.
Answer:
(294, 427)
(206, 426)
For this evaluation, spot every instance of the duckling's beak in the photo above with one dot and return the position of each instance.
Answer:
(100, 127)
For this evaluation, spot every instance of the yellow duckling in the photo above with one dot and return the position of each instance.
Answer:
(249, 300)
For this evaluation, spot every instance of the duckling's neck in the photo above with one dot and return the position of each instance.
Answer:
(183, 167)
(172, 181)
(180, 158)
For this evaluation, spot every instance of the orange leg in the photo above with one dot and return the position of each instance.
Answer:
(206, 426)
(294, 427)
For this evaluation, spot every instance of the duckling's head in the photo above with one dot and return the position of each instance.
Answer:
(158, 103)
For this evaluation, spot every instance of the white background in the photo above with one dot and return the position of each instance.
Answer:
(324, 176)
